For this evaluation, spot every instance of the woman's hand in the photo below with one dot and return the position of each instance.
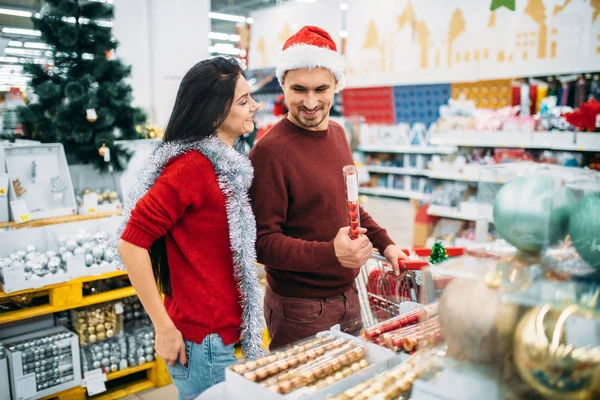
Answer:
(170, 345)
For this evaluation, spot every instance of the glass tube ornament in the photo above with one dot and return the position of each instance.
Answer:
(351, 179)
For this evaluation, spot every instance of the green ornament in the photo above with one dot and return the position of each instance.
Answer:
(438, 253)
(584, 228)
(510, 4)
(533, 212)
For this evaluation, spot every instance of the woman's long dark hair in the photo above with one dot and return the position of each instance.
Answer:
(203, 102)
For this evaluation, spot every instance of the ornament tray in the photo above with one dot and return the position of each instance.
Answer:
(46, 238)
(379, 357)
(24, 385)
(35, 166)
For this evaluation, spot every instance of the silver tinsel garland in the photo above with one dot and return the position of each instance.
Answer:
(234, 175)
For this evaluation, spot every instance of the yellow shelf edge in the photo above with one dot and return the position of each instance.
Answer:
(119, 393)
(128, 371)
(88, 278)
(48, 308)
(59, 220)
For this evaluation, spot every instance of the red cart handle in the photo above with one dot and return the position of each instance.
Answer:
(412, 265)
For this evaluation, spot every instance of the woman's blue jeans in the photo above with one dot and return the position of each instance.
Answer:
(206, 363)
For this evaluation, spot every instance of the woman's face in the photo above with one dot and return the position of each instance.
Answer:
(239, 120)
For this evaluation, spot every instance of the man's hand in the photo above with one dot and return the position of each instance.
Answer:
(352, 253)
(393, 253)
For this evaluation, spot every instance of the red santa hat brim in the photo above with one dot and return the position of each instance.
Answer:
(304, 56)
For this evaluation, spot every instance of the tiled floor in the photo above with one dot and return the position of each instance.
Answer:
(396, 216)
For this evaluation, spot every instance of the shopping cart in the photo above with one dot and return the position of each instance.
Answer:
(383, 295)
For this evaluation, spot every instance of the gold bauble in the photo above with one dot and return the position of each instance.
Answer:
(548, 363)
(113, 196)
(86, 191)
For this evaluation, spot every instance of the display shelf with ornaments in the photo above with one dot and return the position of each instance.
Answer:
(63, 297)
(316, 367)
(407, 149)
(58, 220)
(468, 211)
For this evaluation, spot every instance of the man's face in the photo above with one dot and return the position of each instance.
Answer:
(309, 96)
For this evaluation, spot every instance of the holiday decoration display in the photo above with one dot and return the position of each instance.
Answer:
(586, 117)
(584, 228)
(94, 249)
(43, 363)
(554, 356)
(313, 363)
(416, 337)
(373, 333)
(351, 179)
(83, 99)
(32, 264)
(533, 212)
(396, 382)
(467, 315)
(96, 323)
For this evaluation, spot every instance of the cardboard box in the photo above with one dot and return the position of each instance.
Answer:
(26, 383)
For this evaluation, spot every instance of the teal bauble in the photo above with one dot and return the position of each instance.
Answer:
(584, 228)
(533, 212)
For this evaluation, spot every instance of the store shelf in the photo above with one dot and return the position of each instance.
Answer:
(409, 149)
(465, 177)
(402, 194)
(58, 220)
(49, 287)
(156, 376)
(455, 213)
(65, 297)
(567, 141)
(395, 170)
(128, 371)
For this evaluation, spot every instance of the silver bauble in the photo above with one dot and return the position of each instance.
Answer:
(78, 251)
(87, 246)
(14, 257)
(71, 244)
(62, 249)
(141, 360)
(30, 248)
(114, 367)
(66, 255)
(79, 237)
(50, 254)
(21, 254)
(109, 254)
(149, 350)
(105, 362)
(97, 252)
(89, 259)
(149, 358)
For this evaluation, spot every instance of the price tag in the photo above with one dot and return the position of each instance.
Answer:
(94, 381)
(119, 308)
(20, 211)
(90, 202)
(3, 185)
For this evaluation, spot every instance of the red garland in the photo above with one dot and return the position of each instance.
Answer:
(585, 117)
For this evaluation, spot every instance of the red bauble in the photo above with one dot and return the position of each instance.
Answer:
(354, 224)
(351, 205)
(353, 215)
(354, 233)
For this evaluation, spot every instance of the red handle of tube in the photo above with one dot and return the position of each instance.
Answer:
(412, 265)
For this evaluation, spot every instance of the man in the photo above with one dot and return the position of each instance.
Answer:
(299, 200)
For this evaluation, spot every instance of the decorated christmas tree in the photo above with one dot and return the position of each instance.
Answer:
(81, 98)
(438, 253)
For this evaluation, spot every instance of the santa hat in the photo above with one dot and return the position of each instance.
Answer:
(311, 47)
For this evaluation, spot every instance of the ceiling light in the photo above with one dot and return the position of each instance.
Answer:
(15, 43)
(16, 13)
(344, 6)
(218, 36)
(250, 20)
(19, 31)
(224, 50)
(226, 17)
(36, 45)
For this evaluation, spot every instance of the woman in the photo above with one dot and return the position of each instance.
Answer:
(189, 227)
